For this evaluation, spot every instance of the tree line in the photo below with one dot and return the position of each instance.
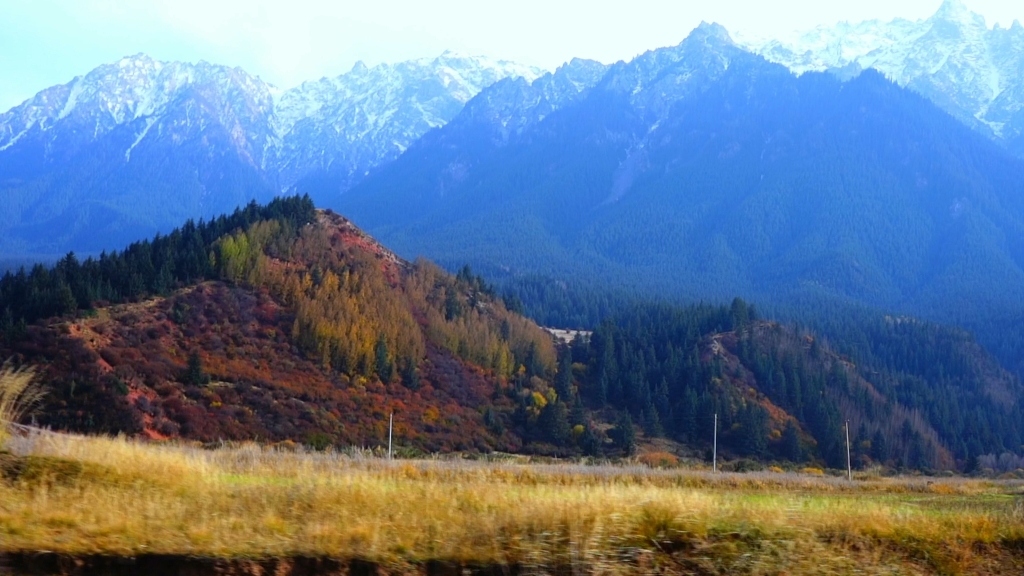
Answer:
(148, 267)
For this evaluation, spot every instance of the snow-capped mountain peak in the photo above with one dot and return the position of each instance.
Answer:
(118, 94)
(347, 123)
(350, 123)
(957, 11)
(953, 57)
(138, 143)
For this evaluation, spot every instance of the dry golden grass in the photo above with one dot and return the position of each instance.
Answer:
(115, 496)
(20, 392)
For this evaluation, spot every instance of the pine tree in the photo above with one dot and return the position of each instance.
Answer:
(493, 421)
(563, 380)
(917, 455)
(554, 423)
(754, 422)
(452, 304)
(879, 448)
(590, 442)
(578, 414)
(623, 434)
(385, 368)
(739, 314)
(7, 324)
(66, 302)
(651, 423)
(194, 374)
(599, 397)
(686, 419)
(791, 449)
(410, 379)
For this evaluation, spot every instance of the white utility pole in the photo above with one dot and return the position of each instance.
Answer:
(849, 466)
(714, 453)
(391, 424)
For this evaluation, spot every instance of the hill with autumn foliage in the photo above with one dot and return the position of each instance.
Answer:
(286, 323)
(277, 323)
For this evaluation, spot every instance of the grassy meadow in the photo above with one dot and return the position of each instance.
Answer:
(88, 495)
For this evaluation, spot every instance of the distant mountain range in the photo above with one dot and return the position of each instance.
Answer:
(124, 150)
(698, 171)
(703, 171)
(137, 145)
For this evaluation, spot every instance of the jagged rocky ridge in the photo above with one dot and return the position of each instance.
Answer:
(339, 128)
(953, 58)
(138, 145)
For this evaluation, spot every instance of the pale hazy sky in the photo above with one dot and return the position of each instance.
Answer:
(47, 42)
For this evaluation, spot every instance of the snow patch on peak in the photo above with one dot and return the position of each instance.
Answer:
(128, 152)
(18, 136)
(72, 101)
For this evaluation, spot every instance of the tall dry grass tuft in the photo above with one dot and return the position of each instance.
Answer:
(20, 393)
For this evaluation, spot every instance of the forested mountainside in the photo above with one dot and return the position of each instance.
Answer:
(274, 323)
(702, 172)
(283, 322)
(922, 396)
(654, 360)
